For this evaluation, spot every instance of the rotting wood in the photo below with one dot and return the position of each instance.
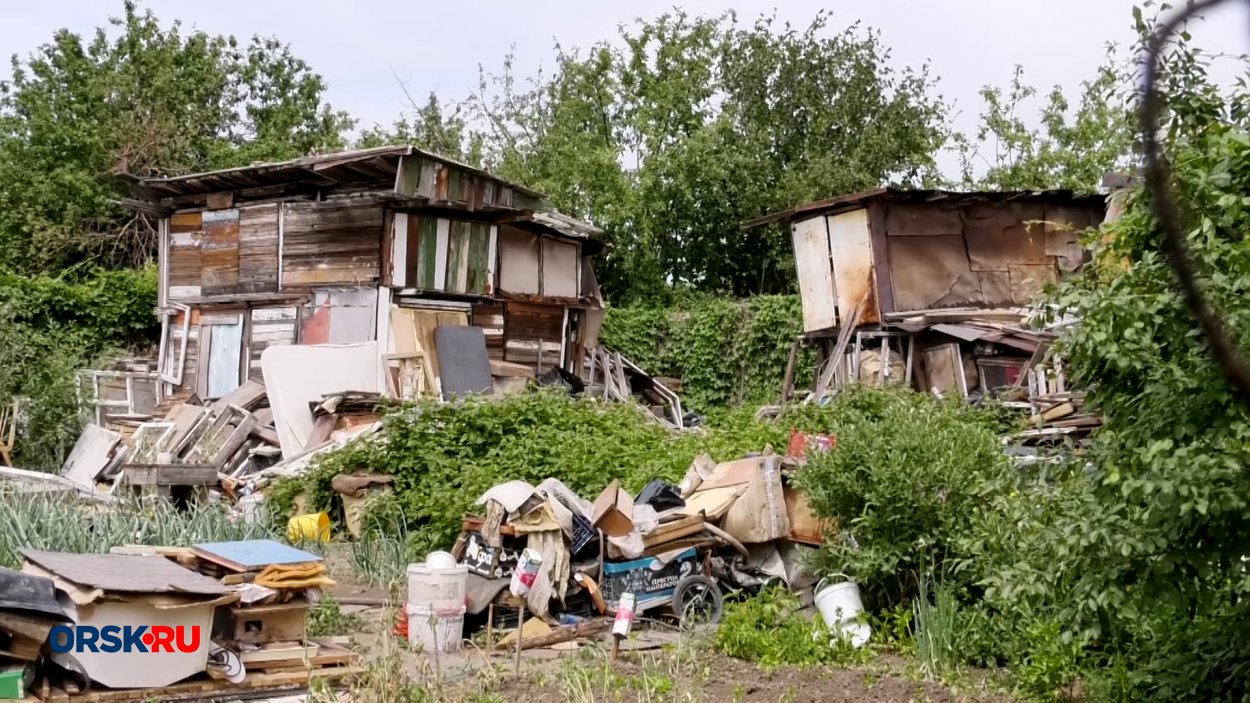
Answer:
(584, 629)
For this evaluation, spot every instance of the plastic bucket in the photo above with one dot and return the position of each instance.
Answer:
(840, 605)
(434, 587)
(313, 527)
(441, 628)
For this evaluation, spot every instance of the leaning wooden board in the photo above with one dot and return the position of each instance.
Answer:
(209, 689)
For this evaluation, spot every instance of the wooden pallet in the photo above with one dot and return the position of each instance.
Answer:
(205, 689)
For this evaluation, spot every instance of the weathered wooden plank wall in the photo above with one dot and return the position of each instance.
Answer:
(331, 244)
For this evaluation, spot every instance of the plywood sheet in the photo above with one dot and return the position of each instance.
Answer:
(995, 287)
(560, 273)
(850, 245)
(125, 573)
(815, 274)
(932, 272)
(518, 261)
(1062, 233)
(91, 455)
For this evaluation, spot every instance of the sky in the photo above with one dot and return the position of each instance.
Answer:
(364, 49)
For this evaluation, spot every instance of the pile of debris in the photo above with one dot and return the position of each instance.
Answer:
(153, 623)
(672, 548)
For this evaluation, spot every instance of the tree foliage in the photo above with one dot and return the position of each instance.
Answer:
(80, 111)
(698, 124)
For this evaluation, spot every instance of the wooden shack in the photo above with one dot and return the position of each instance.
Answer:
(380, 245)
(930, 287)
(898, 250)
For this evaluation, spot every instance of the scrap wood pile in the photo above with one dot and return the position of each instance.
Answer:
(673, 548)
(157, 623)
(226, 443)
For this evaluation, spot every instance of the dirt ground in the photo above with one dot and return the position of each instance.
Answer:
(659, 666)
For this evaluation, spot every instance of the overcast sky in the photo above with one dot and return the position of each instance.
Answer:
(360, 47)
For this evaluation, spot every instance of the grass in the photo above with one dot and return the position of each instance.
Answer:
(935, 622)
(53, 523)
(327, 619)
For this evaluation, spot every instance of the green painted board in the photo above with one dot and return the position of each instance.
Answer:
(409, 176)
(14, 680)
(479, 250)
(458, 257)
(427, 252)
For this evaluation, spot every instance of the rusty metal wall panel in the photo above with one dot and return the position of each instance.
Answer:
(1028, 282)
(1062, 233)
(921, 220)
(1000, 234)
(815, 273)
(932, 272)
(995, 288)
(850, 246)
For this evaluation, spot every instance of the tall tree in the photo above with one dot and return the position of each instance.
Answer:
(697, 124)
(78, 112)
(433, 125)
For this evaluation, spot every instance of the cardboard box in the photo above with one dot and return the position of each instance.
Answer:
(614, 511)
(759, 514)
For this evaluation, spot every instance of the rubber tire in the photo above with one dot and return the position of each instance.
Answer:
(680, 593)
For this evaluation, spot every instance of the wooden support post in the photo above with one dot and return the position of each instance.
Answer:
(490, 627)
(520, 629)
(787, 385)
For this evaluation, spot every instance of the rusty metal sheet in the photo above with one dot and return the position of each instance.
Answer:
(995, 287)
(932, 272)
(1000, 234)
(1029, 282)
(1062, 234)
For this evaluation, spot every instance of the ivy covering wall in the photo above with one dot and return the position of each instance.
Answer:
(726, 352)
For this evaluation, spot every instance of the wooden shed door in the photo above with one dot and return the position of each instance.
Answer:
(815, 273)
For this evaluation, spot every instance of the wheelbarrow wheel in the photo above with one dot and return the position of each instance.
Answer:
(697, 601)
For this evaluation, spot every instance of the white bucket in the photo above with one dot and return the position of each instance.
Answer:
(840, 606)
(432, 587)
(441, 627)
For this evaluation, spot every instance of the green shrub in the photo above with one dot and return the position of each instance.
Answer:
(903, 482)
(444, 456)
(726, 352)
(770, 629)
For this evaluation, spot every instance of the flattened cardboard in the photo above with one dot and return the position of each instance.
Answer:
(759, 515)
(614, 511)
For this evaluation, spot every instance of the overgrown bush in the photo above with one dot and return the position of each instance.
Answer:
(903, 482)
(49, 330)
(444, 456)
(726, 352)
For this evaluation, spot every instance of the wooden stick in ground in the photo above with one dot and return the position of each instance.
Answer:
(616, 647)
(490, 627)
(520, 629)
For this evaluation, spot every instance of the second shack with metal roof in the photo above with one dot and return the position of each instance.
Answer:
(919, 270)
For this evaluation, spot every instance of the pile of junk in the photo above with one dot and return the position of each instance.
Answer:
(548, 564)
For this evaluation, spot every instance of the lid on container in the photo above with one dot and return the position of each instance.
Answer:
(440, 560)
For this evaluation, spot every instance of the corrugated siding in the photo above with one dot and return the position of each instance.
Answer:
(331, 243)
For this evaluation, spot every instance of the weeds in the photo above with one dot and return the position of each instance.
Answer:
(769, 629)
(327, 619)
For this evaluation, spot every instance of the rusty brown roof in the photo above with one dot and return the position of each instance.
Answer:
(854, 201)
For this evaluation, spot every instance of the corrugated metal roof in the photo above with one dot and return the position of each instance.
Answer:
(364, 167)
(854, 201)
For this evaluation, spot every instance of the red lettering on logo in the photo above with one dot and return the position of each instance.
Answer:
(164, 638)
(188, 638)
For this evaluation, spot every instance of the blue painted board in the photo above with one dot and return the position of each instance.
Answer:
(253, 554)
